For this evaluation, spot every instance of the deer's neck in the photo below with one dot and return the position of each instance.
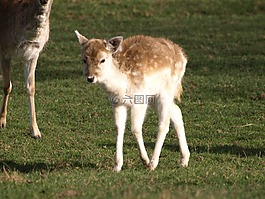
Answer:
(116, 85)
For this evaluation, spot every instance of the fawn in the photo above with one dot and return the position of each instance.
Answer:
(138, 68)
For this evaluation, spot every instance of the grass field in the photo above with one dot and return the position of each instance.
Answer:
(223, 107)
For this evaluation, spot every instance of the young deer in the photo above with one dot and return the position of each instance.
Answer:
(139, 68)
(24, 31)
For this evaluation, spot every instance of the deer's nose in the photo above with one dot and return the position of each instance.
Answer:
(90, 79)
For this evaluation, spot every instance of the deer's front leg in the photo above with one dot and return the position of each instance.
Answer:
(30, 82)
(120, 114)
(7, 87)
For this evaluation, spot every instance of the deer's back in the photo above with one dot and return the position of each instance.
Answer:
(145, 54)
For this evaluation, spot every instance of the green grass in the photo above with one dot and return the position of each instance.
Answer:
(223, 107)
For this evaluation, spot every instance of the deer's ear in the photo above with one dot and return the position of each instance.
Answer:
(82, 39)
(114, 44)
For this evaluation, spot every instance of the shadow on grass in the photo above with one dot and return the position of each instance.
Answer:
(230, 149)
(239, 151)
(58, 74)
(42, 167)
(224, 149)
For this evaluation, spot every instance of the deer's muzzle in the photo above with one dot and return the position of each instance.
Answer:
(90, 79)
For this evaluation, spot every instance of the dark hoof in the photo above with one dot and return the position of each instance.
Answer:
(37, 137)
(3, 124)
(44, 2)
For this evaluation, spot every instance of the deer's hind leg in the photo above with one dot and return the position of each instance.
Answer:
(163, 105)
(137, 118)
(178, 125)
(7, 87)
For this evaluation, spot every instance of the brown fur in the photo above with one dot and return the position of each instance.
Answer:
(144, 55)
(18, 17)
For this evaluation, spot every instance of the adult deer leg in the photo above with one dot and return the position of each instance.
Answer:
(7, 87)
(30, 82)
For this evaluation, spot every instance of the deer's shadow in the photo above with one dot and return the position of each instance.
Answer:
(9, 165)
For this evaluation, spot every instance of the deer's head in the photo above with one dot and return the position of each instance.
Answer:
(97, 56)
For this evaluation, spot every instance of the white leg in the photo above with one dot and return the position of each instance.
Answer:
(30, 82)
(5, 64)
(137, 118)
(177, 123)
(120, 115)
(163, 128)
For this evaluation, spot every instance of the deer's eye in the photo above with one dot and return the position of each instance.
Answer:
(102, 61)
(84, 61)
